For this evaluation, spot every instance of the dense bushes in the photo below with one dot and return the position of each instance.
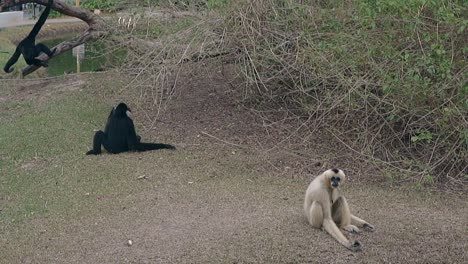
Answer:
(389, 78)
(108, 5)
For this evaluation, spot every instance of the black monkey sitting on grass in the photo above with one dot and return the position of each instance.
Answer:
(27, 46)
(119, 135)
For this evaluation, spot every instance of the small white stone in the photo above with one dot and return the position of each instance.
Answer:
(129, 243)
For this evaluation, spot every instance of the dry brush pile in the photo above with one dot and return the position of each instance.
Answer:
(388, 79)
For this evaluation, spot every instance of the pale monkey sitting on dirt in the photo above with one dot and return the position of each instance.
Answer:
(325, 207)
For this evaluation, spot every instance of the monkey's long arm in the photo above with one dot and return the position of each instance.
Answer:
(132, 140)
(335, 232)
(42, 19)
(330, 226)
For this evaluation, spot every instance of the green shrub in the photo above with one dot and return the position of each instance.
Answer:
(108, 5)
(188, 4)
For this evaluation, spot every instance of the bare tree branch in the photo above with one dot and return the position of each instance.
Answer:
(95, 29)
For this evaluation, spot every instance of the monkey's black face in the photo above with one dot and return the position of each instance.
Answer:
(335, 181)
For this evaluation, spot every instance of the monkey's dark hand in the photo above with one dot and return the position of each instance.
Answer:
(8, 70)
(369, 227)
(355, 246)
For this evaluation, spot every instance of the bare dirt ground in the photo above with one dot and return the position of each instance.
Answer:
(232, 194)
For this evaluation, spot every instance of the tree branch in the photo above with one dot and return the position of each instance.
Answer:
(95, 29)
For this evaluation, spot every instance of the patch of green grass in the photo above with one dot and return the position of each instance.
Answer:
(44, 136)
(100, 4)
(7, 48)
(40, 131)
(42, 152)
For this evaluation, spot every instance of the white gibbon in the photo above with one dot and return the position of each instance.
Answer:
(325, 207)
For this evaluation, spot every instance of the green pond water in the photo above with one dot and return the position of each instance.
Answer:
(88, 57)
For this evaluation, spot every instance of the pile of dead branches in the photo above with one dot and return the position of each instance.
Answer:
(388, 81)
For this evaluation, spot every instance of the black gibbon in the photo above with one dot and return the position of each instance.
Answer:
(325, 207)
(119, 135)
(27, 46)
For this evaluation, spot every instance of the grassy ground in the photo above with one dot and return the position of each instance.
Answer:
(209, 201)
(231, 192)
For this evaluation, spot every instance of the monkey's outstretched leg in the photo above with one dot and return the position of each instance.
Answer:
(43, 48)
(361, 223)
(98, 140)
(342, 215)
